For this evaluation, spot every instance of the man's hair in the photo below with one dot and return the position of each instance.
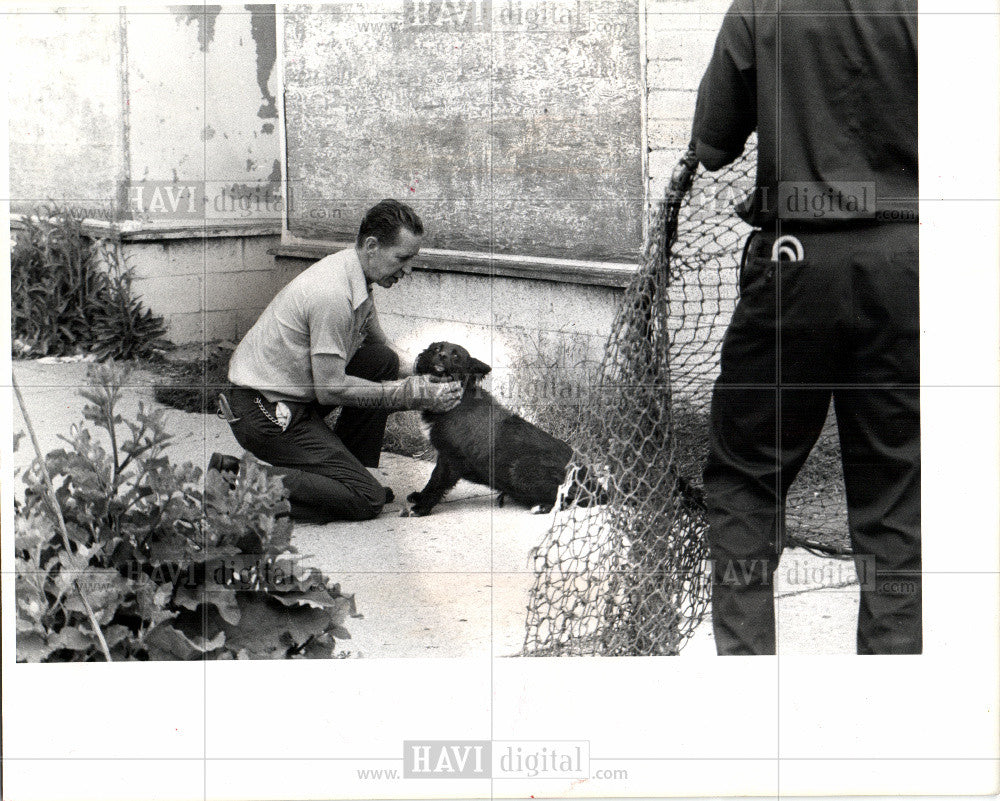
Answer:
(385, 218)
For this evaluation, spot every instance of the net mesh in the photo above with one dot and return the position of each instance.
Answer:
(623, 568)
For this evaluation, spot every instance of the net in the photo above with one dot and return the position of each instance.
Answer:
(623, 568)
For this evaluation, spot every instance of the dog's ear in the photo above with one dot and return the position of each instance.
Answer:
(477, 367)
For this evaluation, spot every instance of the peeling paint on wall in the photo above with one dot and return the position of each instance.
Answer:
(204, 17)
(275, 176)
(101, 102)
(248, 197)
(65, 101)
(262, 28)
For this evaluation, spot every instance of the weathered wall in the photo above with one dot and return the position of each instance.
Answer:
(156, 95)
(511, 125)
(132, 109)
(66, 107)
(201, 88)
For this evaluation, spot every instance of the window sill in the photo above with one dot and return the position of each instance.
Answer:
(568, 271)
(134, 231)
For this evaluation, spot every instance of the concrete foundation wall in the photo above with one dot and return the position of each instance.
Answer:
(510, 323)
(207, 289)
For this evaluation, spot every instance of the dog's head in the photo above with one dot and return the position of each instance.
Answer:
(451, 361)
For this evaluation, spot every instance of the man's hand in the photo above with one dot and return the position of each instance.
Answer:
(433, 393)
(335, 388)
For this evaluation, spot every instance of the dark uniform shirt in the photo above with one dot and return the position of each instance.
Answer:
(830, 86)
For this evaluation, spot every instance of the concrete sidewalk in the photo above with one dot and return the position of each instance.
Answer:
(454, 583)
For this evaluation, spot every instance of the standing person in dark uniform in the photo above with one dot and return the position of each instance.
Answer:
(319, 345)
(828, 302)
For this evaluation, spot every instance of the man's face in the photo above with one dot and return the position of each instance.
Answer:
(385, 265)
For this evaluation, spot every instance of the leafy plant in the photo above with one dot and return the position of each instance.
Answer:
(72, 293)
(168, 571)
(121, 327)
(56, 285)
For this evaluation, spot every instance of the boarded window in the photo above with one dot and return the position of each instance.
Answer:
(511, 126)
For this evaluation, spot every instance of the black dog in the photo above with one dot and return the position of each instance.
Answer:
(483, 442)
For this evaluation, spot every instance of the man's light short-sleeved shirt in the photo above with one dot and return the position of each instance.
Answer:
(324, 310)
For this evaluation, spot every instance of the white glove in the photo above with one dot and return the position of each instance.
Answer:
(426, 393)
(414, 392)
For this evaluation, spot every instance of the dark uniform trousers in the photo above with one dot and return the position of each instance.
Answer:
(323, 468)
(842, 323)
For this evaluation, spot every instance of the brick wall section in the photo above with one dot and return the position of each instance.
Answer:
(207, 289)
(680, 38)
(680, 35)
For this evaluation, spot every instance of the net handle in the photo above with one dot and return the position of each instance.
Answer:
(680, 184)
(653, 274)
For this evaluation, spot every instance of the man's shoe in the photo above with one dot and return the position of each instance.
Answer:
(390, 496)
(224, 463)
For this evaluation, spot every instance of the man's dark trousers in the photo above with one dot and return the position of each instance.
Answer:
(842, 323)
(323, 468)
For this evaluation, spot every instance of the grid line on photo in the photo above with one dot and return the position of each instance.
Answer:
(498, 564)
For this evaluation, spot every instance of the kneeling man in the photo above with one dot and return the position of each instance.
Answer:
(319, 345)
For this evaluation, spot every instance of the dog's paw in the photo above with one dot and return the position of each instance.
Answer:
(413, 497)
(541, 510)
(418, 511)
